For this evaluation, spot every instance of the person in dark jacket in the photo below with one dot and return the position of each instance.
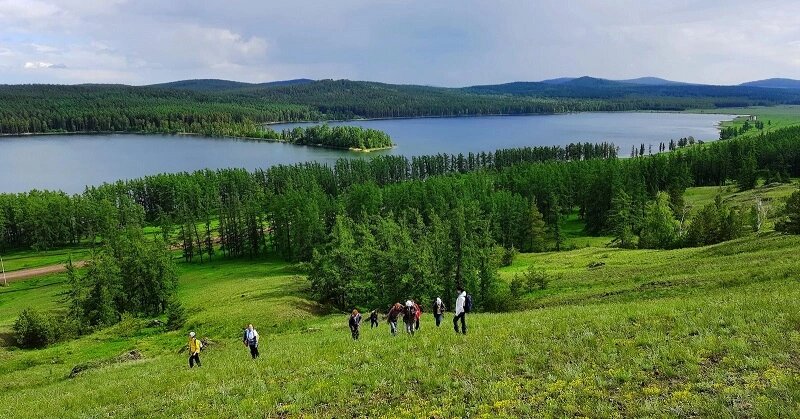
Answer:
(250, 339)
(392, 315)
(373, 319)
(355, 324)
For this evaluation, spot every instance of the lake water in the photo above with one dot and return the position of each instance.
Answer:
(69, 162)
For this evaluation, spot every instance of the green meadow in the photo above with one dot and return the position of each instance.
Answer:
(774, 117)
(698, 332)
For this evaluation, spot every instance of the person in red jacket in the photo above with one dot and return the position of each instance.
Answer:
(392, 315)
(418, 315)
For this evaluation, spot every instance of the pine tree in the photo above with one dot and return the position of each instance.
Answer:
(659, 227)
(790, 223)
(538, 233)
(621, 219)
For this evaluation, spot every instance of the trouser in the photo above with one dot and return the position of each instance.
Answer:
(438, 319)
(416, 325)
(393, 326)
(254, 350)
(410, 327)
(355, 332)
(461, 316)
(194, 358)
(373, 323)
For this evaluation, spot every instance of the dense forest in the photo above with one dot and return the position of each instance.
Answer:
(221, 108)
(428, 222)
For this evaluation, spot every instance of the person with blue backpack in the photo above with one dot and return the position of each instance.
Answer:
(463, 306)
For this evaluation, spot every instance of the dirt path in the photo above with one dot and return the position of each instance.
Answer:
(43, 270)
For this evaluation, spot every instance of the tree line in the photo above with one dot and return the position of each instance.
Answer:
(241, 111)
(433, 220)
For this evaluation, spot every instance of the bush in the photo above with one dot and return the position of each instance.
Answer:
(34, 329)
(129, 325)
(176, 315)
(536, 278)
(528, 281)
(508, 256)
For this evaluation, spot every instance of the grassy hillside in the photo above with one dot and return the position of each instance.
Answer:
(709, 331)
(774, 117)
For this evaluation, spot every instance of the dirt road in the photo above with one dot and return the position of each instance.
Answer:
(32, 272)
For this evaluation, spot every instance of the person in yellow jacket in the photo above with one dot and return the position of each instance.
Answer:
(194, 350)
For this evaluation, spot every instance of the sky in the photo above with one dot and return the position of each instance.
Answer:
(432, 42)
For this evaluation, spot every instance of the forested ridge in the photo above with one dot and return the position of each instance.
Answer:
(431, 221)
(221, 108)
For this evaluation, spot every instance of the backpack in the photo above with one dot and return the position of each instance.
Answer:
(468, 303)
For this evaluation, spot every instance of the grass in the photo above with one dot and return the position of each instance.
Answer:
(711, 331)
(774, 117)
(26, 259)
(698, 197)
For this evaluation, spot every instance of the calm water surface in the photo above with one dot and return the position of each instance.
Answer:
(69, 162)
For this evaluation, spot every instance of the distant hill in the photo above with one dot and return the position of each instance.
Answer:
(645, 81)
(652, 81)
(776, 83)
(560, 80)
(211, 85)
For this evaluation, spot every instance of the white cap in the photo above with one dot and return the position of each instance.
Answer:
(191, 334)
(409, 303)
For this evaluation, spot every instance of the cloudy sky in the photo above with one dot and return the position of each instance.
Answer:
(437, 42)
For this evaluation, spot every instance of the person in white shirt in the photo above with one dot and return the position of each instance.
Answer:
(460, 312)
(438, 311)
(250, 339)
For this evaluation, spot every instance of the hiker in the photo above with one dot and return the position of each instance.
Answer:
(250, 339)
(373, 318)
(410, 316)
(392, 315)
(355, 323)
(438, 311)
(461, 310)
(417, 315)
(194, 350)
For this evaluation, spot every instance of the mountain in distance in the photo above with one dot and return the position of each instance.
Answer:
(644, 81)
(774, 83)
(560, 80)
(210, 85)
(652, 81)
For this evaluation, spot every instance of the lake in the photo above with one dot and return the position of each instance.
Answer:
(69, 162)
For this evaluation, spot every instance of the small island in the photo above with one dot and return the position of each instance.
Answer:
(343, 137)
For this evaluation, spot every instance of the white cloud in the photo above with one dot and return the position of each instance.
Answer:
(30, 65)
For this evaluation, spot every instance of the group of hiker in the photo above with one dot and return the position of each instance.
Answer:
(411, 312)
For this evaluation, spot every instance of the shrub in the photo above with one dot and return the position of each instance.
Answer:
(536, 278)
(530, 280)
(129, 325)
(508, 256)
(34, 329)
(176, 315)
